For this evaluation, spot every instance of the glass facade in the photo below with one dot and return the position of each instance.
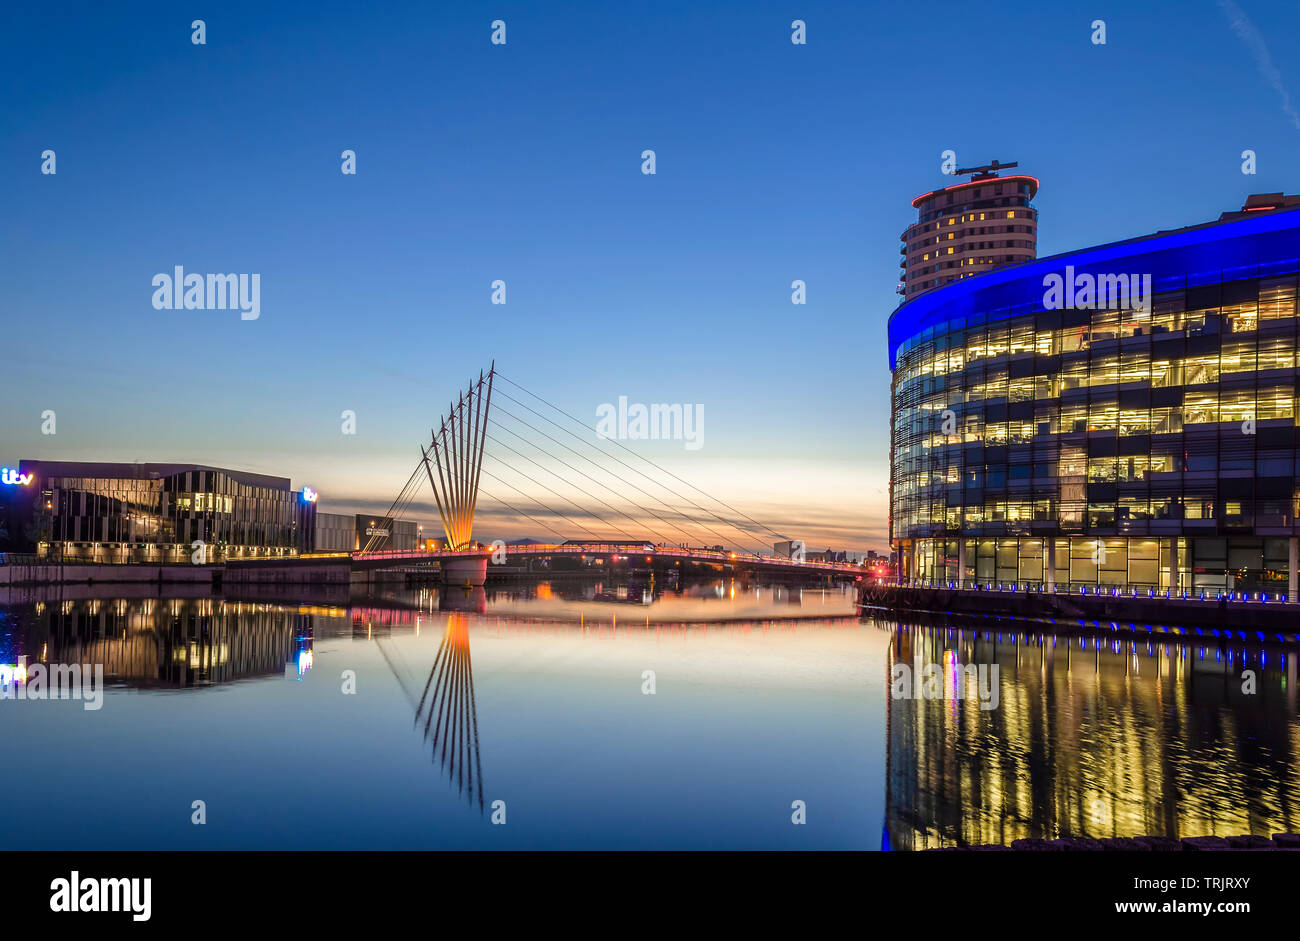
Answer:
(155, 513)
(1147, 443)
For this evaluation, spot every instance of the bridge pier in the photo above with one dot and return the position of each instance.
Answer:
(469, 570)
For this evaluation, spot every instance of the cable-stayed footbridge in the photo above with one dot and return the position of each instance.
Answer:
(504, 449)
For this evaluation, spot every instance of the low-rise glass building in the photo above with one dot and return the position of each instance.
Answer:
(1121, 415)
(82, 511)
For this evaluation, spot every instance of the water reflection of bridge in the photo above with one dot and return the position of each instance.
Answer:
(447, 707)
(1093, 736)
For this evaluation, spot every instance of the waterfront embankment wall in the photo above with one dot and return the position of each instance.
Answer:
(53, 573)
(1267, 621)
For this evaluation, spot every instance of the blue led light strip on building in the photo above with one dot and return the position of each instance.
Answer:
(1218, 251)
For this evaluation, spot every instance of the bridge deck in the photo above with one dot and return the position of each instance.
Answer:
(649, 554)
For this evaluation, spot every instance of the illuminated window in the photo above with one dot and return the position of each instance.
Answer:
(1275, 402)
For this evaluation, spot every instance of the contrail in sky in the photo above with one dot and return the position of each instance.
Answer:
(1246, 31)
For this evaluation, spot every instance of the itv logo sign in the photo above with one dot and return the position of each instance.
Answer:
(10, 476)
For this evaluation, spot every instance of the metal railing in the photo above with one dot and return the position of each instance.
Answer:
(175, 561)
(615, 549)
(1138, 592)
(20, 558)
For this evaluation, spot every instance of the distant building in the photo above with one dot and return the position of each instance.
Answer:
(796, 549)
(378, 534)
(827, 555)
(347, 532)
(969, 228)
(335, 532)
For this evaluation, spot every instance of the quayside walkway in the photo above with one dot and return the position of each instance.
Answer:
(1252, 616)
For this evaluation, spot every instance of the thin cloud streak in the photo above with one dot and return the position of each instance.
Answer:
(1254, 40)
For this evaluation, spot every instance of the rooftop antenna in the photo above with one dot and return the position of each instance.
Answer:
(987, 172)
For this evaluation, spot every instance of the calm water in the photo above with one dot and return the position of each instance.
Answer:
(536, 696)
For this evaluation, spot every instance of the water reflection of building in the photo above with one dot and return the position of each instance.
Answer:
(172, 643)
(1121, 739)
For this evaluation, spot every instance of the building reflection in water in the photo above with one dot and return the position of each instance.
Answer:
(1093, 736)
(172, 643)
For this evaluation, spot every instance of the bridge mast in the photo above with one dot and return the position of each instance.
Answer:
(459, 444)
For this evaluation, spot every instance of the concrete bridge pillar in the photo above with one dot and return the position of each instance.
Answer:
(467, 571)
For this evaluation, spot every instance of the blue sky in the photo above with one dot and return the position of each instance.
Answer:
(522, 163)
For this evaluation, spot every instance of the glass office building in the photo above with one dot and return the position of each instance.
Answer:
(1122, 415)
(81, 511)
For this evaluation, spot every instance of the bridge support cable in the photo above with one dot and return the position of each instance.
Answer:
(585, 493)
(574, 503)
(548, 509)
(514, 509)
(458, 449)
(725, 522)
(677, 527)
(437, 496)
(399, 505)
(761, 528)
(623, 480)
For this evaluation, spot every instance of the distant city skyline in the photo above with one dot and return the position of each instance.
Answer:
(522, 163)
